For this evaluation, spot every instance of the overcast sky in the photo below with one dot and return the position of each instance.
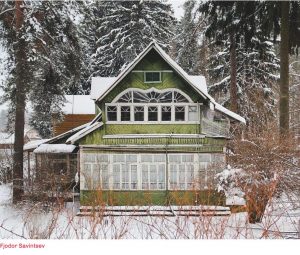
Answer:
(177, 6)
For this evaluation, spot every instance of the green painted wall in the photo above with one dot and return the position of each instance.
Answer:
(118, 198)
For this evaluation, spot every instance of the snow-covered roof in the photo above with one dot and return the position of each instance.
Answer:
(68, 133)
(78, 104)
(100, 85)
(229, 113)
(34, 144)
(6, 138)
(199, 81)
(75, 131)
(84, 132)
(55, 148)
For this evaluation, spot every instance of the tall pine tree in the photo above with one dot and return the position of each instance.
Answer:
(246, 64)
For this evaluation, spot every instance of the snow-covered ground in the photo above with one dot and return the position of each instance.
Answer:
(35, 221)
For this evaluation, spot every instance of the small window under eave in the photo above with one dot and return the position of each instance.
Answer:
(152, 77)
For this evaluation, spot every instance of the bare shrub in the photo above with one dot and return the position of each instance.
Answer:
(266, 168)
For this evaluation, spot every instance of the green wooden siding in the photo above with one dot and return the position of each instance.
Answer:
(118, 198)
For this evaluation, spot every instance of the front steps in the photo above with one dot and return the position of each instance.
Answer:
(195, 211)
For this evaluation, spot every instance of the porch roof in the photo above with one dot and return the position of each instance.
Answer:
(55, 148)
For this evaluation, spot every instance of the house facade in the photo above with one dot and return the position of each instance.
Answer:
(157, 138)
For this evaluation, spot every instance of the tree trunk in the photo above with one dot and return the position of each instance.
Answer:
(20, 58)
(233, 74)
(284, 69)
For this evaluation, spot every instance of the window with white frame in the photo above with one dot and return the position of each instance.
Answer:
(166, 113)
(143, 106)
(152, 113)
(144, 172)
(138, 113)
(152, 77)
(112, 113)
(125, 113)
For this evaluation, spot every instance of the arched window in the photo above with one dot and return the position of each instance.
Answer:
(153, 105)
(152, 96)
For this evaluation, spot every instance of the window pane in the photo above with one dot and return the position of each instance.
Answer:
(134, 177)
(161, 176)
(125, 113)
(125, 177)
(111, 113)
(166, 113)
(152, 113)
(96, 179)
(145, 181)
(187, 158)
(175, 158)
(193, 115)
(153, 177)
(152, 97)
(116, 176)
(179, 98)
(139, 113)
(173, 176)
(146, 158)
(152, 76)
(181, 177)
(179, 113)
(190, 179)
(118, 158)
(159, 158)
(104, 175)
(131, 158)
(126, 98)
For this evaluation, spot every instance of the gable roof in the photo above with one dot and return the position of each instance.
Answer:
(111, 82)
(101, 86)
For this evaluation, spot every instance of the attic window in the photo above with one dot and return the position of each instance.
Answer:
(152, 77)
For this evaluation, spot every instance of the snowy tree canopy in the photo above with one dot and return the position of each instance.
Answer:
(126, 28)
(52, 62)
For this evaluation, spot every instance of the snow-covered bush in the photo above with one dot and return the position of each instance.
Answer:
(227, 181)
